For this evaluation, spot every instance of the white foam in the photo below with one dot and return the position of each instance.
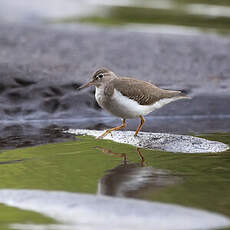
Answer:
(82, 212)
(161, 141)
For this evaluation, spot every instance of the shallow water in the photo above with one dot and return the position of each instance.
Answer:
(94, 166)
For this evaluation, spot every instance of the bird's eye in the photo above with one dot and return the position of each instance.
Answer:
(100, 76)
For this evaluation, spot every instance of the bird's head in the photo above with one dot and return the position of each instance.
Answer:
(100, 77)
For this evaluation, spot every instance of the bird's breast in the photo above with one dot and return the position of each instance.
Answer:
(108, 103)
(100, 96)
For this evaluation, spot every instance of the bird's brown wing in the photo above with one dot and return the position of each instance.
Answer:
(143, 92)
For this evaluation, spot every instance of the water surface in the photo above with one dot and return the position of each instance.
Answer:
(94, 166)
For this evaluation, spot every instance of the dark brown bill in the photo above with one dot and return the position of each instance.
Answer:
(85, 85)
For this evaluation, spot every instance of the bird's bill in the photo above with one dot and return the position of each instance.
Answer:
(86, 85)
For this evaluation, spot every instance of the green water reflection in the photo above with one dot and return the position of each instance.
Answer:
(205, 15)
(97, 166)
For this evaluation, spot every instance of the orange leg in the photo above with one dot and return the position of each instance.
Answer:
(141, 156)
(113, 129)
(140, 126)
(108, 151)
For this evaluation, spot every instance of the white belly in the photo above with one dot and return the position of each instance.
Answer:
(124, 107)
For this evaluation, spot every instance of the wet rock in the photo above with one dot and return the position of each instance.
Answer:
(51, 105)
(24, 135)
(2, 88)
(15, 96)
(24, 82)
(13, 111)
(160, 141)
(56, 91)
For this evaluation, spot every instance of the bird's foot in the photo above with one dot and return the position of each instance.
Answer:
(105, 134)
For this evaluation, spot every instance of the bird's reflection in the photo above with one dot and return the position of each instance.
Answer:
(133, 179)
(123, 155)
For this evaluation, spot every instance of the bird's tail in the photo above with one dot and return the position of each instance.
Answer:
(183, 95)
(178, 94)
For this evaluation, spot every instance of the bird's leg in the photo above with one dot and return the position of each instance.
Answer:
(108, 151)
(141, 156)
(140, 126)
(113, 129)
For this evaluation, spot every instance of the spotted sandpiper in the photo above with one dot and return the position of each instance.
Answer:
(128, 97)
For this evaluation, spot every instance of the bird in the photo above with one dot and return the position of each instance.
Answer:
(128, 98)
